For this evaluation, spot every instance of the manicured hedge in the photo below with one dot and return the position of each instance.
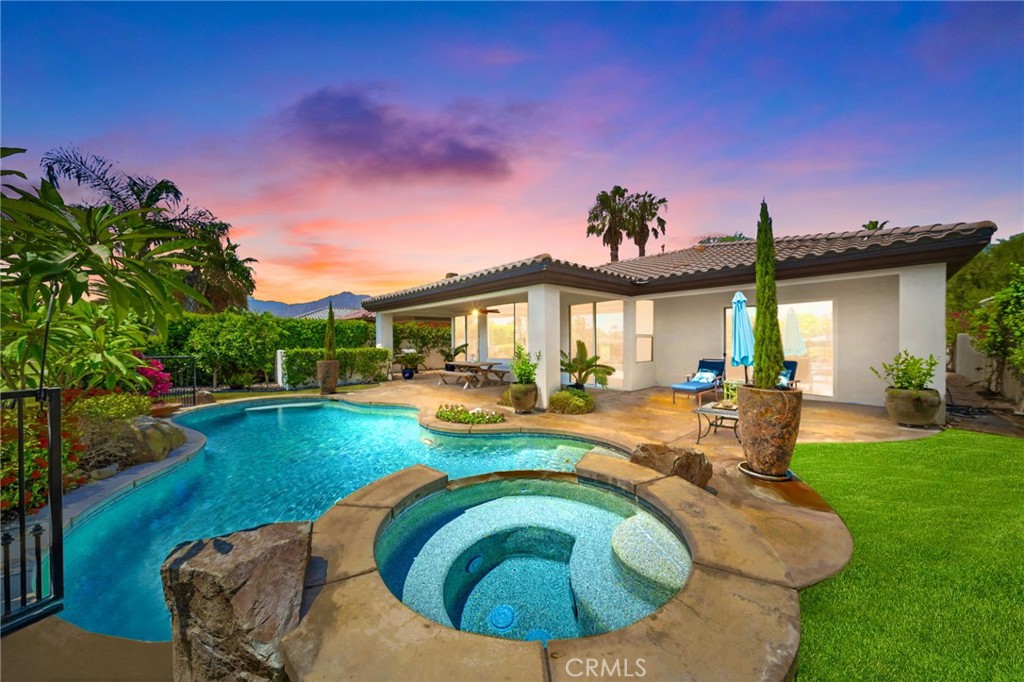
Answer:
(362, 364)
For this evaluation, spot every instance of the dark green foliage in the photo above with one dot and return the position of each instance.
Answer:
(908, 372)
(301, 333)
(421, 337)
(767, 337)
(458, 414)
(523, 368)
(571, 401)
(607, 219)
(449, 354)
(364, 364)
(724, 239)
(998, 329)
(112, 406)
(981, 278)
(233, 343)
(330, 353)
(933, 590)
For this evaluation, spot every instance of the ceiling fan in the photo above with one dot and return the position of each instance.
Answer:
(485, 311)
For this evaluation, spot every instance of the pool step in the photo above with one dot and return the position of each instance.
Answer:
(286, 406)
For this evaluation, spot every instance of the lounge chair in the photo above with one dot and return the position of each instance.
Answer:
(708, 377)
(789, 370)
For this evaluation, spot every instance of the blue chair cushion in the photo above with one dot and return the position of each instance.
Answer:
(693, 386)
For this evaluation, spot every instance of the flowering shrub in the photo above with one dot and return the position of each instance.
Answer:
(37, 443)
(159, 380)
(460, 415)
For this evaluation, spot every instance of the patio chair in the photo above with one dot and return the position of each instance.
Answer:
(789, 373)
(708, 377)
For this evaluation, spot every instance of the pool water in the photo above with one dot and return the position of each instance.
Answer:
(261, 467)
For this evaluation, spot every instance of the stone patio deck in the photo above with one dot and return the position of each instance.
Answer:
(791, 516)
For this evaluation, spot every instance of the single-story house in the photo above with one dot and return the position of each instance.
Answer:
(847, 301)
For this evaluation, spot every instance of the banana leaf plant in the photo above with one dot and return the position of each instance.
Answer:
(584, 366)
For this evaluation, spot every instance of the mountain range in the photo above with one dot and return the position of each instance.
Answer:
(345, 299)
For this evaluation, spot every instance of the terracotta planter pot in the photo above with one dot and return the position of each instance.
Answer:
(913, 408)
(523, 397)
(161, 410)
(327, 375)
(769, 423)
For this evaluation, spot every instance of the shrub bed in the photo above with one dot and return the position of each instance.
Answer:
(102, 426)
(458, 414)
(571, 401)
(364, 365)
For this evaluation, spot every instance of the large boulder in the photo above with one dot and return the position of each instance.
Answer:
(154, 439)
(232, 599)
(686, 463)
(204, 398)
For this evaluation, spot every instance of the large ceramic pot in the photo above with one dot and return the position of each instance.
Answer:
(523, 397)
(769, 423)
(162, 410)
(327, 375)
(913, 408)
(408, 373)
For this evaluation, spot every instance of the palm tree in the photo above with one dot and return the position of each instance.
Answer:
(608, 218)
(219, 274)
(643, 208)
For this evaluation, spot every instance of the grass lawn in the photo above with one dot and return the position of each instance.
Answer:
(239, 395)
(935, 589)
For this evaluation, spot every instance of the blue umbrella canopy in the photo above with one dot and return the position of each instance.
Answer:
(793, 343)
(742, 333)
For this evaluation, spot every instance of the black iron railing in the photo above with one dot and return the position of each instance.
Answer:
(182, 369)
(31, 523)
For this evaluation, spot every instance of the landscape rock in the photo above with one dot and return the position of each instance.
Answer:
(686, 463)
(154, 439)
(105, 472)
(233, 598)
(204, 398)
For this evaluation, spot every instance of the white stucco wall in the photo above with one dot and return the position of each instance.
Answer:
(866, 330)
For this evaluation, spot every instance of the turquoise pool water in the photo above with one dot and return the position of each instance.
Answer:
(261, 467)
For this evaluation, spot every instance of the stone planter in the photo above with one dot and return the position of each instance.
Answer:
(161, 410)
(327, 375)
(913, 408)
(523, 397)
(769, 423)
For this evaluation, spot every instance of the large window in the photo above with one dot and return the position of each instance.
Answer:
(806, 338)
(645, 331)
(505, 328)
(464, 330)
(599, 326)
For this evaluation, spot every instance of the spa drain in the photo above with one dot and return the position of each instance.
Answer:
(502, 617)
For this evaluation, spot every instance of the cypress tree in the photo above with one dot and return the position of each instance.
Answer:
(768, 354)
(329, 351)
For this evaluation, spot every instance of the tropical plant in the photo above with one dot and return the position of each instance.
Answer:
(524, 369)
(571, 401)
(584, 366)
(768, 354)
(330, 354)
(449, 354)
(874, 225)
(908, 372)
(409, 360)
(980, 279)
(224, 280)
(608, 218)
(643, 209)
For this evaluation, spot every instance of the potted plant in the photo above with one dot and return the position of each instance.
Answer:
(327, 370)
(410, 361)
(769, 415)
(582, 367)
(908, 400)
(523, 391)
(449, 355)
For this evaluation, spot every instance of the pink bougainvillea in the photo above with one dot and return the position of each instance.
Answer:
(160, 381)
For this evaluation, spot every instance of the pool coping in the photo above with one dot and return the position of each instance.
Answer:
(736, 617)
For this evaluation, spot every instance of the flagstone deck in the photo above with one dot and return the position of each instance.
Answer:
(800, 527)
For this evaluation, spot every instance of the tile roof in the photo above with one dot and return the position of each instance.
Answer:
(541, 260)
(722, 257)
(728, 255)
(339, 314)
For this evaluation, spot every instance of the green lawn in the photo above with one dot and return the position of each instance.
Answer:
(935, 589)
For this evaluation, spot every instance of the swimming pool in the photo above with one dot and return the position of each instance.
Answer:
(262, 466)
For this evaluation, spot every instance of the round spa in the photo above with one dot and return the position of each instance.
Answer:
(530, 558)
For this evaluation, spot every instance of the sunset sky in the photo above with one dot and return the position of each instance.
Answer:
(370, 147)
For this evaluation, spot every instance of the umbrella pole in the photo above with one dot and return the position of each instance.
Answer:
(745, 379)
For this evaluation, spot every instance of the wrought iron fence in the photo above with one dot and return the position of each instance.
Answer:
(31, 523)
(182, 369)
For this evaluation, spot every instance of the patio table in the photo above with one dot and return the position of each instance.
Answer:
(715, 418)
(480, 373)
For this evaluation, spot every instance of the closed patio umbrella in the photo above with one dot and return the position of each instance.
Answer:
(793, 343)
(742, 334)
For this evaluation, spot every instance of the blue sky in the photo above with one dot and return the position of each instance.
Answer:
(374, 146)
